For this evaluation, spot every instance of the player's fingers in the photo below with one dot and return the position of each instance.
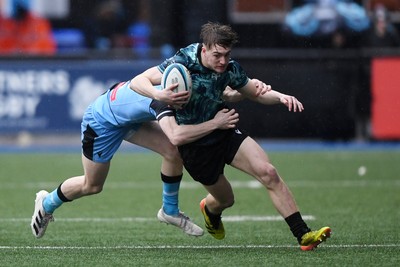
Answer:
(180, 96)
(294, 104)
(289, 103)
(232, 125)
(301, 107)
(235, 115)
(298, 106)
(172, 87)
(265, 88)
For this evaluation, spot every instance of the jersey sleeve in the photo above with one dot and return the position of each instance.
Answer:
(238, 77)
(161, 109)
(184, 56)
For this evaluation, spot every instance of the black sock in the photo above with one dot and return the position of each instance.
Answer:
(171, 179)
(297, 225)
(214, 218)
(61, 194)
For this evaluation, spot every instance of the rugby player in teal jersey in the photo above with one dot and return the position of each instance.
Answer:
(212, 70)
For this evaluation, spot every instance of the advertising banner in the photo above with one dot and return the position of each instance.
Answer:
(385, 95)
(48, 97)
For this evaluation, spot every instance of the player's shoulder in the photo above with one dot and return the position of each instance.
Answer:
(234, 67)
(238, 77)
(190, 49)
(234, 64)
(187, 56)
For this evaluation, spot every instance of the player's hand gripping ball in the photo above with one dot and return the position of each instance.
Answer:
(177, 73)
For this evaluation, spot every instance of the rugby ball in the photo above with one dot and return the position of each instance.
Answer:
(177, 73)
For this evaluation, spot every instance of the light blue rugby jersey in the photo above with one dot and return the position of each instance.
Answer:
(122, 106)
(208, 86)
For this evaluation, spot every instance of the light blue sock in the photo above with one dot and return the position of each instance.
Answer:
(170, 198)
(51, 202)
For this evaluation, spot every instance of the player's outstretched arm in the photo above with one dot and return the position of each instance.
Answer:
(271, 97)
(183, 134)
(144, 85)
(231, 95)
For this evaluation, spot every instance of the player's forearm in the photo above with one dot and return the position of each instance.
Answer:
(184, 134)
(143, 86)
(270, 98)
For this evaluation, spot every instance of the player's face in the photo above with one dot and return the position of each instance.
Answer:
(216, 57)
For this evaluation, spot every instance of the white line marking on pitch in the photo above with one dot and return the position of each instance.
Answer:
(195, 247)
(236, 184)
(249, 218)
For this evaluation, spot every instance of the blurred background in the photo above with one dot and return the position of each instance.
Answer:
(341, 58)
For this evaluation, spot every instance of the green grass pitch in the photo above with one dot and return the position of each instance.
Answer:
(118, 227)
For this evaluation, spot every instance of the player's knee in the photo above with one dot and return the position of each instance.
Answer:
(93, 189)
(269, 177)
(171, 153)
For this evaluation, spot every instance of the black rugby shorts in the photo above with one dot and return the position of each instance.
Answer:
(206, 162)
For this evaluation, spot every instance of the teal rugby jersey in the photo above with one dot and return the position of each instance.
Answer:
(208, 86)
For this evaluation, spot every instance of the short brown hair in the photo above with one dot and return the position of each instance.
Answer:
(213, 33)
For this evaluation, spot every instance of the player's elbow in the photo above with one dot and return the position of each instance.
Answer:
(176, 135)
(136, 81)
(235, 98)
(132, 85)
(177, 138)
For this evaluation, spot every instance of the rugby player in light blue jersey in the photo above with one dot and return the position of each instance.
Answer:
(212, 70)
(122, 114)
